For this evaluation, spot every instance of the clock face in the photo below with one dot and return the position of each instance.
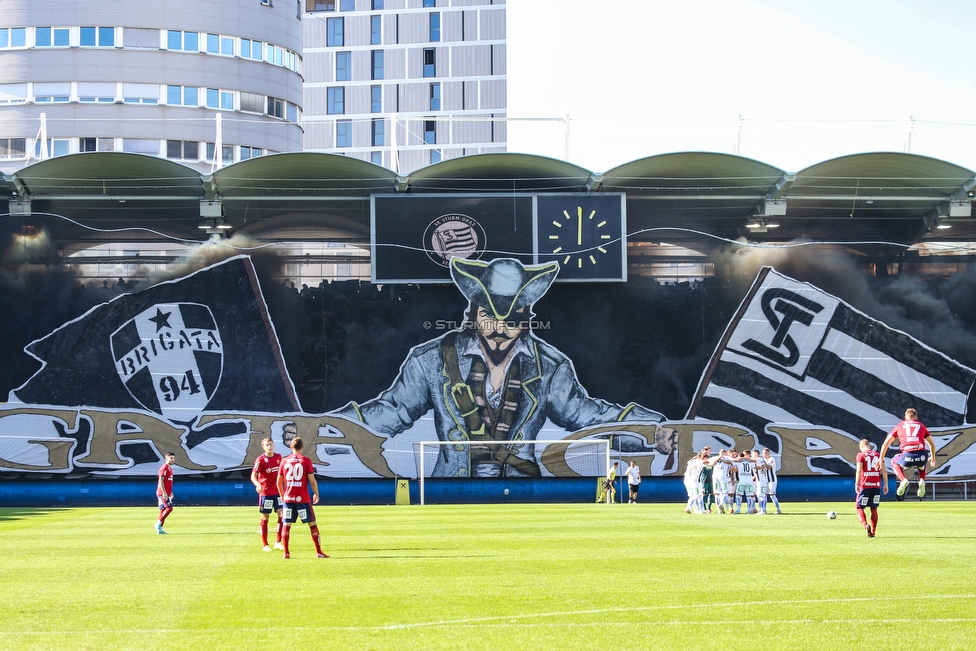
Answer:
(584, 234)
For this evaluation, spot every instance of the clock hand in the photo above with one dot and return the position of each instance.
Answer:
(579, 226)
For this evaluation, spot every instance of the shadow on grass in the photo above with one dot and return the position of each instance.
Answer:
(21, 513)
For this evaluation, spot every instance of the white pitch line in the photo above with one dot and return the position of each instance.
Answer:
(509, 620)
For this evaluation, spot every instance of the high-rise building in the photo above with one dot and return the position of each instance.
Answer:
(405, 83)
(186, 80)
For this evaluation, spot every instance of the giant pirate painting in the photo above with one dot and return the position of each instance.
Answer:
(492, 379)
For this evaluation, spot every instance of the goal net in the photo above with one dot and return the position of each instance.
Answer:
(539, 459)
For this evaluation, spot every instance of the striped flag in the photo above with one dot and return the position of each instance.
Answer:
(796, 357)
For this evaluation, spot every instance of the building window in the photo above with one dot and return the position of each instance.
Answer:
(13, 37)
(435, 96)
(252, 49)
(376, 157)
(336, 100)
(250, 152)
(98, 37)
(274, 54)
(13, 148)
(376, 5)
(347, 5)
(343, 133)
(219, 44)
(343, 66)
(13, 93)
(55, 147)
(52, 92)
(320, 5)
(140, 93)
(430, 67)
(435, 26)
(375, 30)
(435, 156)
(378, 132)
(226, 151)
(334, 32)
(430, 132)
(430, 3)
(220, 99)
(96, 144)
(377, 59)
(52, 37)
(376, 99)
(276, 107)
(182, 150)
(186, 41)
(267, 3)
(182, 96)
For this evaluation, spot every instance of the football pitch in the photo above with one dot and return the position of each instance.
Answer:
(531, 576)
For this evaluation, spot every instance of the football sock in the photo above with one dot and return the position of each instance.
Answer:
(315, 538)
(899, 473)
(285, 536)
(762, 503)
(738, 503)
(775, 501)
(165, 512)
(278, 530)
(874, 520)
(921, 473)
(860, 516)
(264, 532)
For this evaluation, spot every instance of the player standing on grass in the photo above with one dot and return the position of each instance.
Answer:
(870, 479)
(264, 476)
(164, 490)
(609, 490)
(633, 481)
(747, 483)
(913, 437)
(295, 476)
(770, 462)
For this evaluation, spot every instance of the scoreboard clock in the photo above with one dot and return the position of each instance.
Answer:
(585, 233)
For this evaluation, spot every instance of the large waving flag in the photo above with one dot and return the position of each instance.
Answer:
(799, 358)
(201, 343)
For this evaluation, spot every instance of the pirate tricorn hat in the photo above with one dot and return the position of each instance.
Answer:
(503, 285)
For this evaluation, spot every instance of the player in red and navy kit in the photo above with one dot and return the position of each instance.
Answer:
(264, 476)
(295, 476)
(870, 480)
(913, 438)
(164, 489)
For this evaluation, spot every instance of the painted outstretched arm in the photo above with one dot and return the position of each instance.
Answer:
(396, 409)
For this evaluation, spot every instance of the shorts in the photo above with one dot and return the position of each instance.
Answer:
(763, 489)
(164, 502)
(294, 511)
(634, 488)
(269, 503)
(771, 488)
(916, 459)
(746, 489)
(868, 497)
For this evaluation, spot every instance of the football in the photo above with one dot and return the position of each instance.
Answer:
(831, 515)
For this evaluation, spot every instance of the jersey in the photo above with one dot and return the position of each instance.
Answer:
(633, 475)
(746, 472)
(296, 469)
(166, 475)
(771, 467)
(911, 434)
(266, 470)
(866, 462)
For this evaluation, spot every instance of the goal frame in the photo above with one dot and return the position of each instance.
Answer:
(422, 475)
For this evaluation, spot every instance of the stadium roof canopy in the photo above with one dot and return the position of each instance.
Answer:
(694, 199)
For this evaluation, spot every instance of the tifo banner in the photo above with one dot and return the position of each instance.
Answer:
(804, 370)
(193, 366)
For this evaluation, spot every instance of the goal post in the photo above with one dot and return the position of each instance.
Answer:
(546, 458)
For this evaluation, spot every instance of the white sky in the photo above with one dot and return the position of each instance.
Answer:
(812, 79)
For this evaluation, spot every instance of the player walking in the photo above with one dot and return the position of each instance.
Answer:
(870, 479)
(164, 490)
(295, 476)
(913, 437)
(264, 476)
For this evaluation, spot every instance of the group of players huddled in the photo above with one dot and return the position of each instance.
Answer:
(730, 478)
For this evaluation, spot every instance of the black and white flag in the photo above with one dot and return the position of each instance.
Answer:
(799, 358)
(203, 342)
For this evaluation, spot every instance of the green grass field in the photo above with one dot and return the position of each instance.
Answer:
(535, 577)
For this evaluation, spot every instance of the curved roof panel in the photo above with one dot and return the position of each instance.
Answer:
(501, 172)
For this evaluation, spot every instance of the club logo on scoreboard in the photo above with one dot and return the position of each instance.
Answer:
(453, 235)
